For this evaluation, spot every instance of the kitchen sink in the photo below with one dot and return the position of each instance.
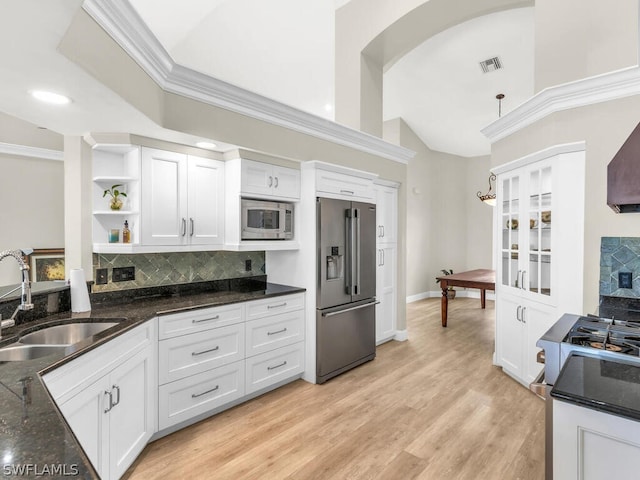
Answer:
(66, 334)
(17, 353)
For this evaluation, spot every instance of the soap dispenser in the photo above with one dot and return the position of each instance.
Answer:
(126, 233)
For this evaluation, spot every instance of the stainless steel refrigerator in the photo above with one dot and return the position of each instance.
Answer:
(345, 309)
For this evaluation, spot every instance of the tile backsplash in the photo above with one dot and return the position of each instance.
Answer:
(154, 269)
(619, 255)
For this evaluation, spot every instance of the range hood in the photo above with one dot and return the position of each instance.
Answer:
(623, 176)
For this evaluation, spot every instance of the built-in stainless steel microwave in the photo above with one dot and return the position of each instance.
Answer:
(266, 220)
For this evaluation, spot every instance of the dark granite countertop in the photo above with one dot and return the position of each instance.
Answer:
(600, 384)
(34, 438)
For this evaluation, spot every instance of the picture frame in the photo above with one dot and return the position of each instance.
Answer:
(46, 264)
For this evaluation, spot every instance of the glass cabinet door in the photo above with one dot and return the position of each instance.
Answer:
(536, 276)
(509, 199)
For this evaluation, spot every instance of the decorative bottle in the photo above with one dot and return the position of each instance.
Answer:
(126, 233)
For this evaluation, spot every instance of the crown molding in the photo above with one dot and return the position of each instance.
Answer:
(121, 21)
(33, 152)
(543, 154)
(580, 93)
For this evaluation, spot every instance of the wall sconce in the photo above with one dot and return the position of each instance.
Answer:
(490, 197)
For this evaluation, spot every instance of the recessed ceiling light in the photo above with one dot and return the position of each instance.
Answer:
(208, 145)
(50, 97)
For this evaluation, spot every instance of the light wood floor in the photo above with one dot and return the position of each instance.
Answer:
(433, 407)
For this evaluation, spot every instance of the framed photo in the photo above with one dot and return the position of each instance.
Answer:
(46, 264)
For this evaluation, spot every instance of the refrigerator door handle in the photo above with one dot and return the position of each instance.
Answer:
(357, 220)
(331, 314)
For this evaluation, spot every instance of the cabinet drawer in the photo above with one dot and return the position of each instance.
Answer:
(265, 334)
(344, 185)
(191, 396)
(186, 355)
(198, 320)
(274, 306)
(269, 368)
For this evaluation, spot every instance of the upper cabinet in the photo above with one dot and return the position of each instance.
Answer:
(266, 180)
(182, 199)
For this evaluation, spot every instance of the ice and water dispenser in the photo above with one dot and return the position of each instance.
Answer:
(335, 263)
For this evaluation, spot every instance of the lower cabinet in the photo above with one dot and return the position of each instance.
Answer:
(113, 418)
(386, 293)
(592, 445)
(519, 325)
(213, 358)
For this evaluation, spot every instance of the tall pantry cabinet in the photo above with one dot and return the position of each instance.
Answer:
(539, 244)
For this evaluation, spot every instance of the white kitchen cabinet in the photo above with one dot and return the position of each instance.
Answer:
(113, 417)
(115, 165)
(539, 252)
(270, 368)
(523, 322)
(182, 199)
(591, 445)
(337, 184)
(387, 252)
(263, 179)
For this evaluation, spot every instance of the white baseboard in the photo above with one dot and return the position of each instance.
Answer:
(401, 335)
(459, 293)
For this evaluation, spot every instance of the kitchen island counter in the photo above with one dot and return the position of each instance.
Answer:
(35, 440)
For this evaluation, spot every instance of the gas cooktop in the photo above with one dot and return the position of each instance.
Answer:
(618, 336)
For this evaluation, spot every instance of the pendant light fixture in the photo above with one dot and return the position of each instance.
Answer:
(490, 197)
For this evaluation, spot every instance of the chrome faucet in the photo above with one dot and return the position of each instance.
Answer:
(25, 299)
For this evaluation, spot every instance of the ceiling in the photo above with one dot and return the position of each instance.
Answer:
(282, 49)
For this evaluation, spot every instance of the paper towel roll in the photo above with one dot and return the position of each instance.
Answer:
(79, 292)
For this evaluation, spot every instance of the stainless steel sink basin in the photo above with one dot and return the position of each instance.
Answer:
(18, 353)
(66, 334)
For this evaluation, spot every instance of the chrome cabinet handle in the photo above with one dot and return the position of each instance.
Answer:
(270, 181)
(108, 409)
(518, 313)
(184, 227)
(524, 310)
(382, 226)
(380, 257)
(522, 284)
(518, 284)
(196, 395)
(283, 304)
(383, 259)
(277, 366)
(191, 223)
(347, 191)
(117, 389)
(279, 331)
(206, 319)
(217, 347)
(276, 185)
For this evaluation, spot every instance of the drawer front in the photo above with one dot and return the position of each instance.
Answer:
(344, 185)
(272, 332)
(269, 368)
(186, 355)
(183, 399)
(274, 306)
(198, 320)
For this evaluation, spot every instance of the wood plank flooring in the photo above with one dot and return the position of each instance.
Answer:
(433, 407)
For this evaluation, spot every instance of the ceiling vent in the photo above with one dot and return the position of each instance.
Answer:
(491, 64)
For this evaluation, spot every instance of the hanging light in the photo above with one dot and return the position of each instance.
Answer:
(490, 197)
(499, 97)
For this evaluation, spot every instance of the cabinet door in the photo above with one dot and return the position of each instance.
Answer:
(85, 414)
(537, 319)
(131, 419)
(510, 334)
(164, 197)
(509, 228)
(386, 214)
(386, 294)
(206, 201)
(256, 178)
(286, 182)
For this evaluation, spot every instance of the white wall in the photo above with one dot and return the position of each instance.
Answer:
(32, 210)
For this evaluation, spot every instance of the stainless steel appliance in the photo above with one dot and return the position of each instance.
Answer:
(590, 335)
(345, 308)
(266, 220)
